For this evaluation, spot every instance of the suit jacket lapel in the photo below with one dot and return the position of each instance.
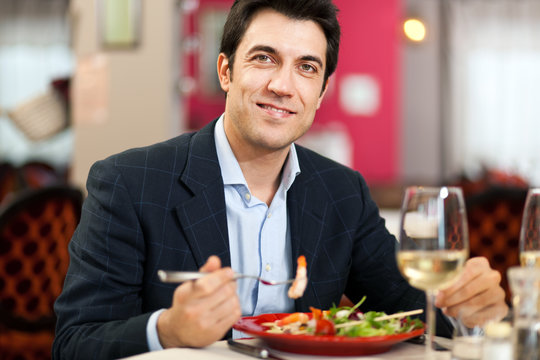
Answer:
(203, 216)
(302, 210)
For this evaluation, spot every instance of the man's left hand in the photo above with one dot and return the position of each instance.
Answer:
(476, 297)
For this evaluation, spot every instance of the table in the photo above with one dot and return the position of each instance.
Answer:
(220, 350)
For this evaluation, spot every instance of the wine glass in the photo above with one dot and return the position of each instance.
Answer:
(433, 243)
(529, 239)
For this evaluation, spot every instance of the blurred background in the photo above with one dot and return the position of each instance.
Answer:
(80, 80)
(427, 92)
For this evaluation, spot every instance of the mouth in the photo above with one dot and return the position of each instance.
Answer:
(276, 109)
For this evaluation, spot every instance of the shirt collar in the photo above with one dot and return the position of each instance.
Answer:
(230, 169)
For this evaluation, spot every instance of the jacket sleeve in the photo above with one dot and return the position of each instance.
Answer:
(99, 312)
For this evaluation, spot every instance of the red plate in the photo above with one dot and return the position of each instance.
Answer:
(320, 344)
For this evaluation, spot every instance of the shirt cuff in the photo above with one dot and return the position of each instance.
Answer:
(151, 332)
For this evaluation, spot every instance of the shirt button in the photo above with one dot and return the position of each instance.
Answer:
(267, 267)
(269, 215)
(247, 196)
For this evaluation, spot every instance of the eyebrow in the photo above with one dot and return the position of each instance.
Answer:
(271, 50)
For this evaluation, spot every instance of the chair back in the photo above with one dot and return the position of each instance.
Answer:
(35, 229)
(494, 216)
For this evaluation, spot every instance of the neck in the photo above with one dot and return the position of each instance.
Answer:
(263, 173)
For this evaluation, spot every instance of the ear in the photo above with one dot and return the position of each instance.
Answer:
(323, 93)
(223, 71)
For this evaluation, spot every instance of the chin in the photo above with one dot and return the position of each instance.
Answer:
(278, 145)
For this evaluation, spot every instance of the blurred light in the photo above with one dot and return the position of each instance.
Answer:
(414, 29)
(190, 6)
(443, 193)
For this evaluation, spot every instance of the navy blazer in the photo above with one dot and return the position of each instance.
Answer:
(163, 207)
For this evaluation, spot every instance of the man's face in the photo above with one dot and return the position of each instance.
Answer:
(275, 90)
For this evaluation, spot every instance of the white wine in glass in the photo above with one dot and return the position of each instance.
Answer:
(431, 270)
(529, 239)
(433, 243)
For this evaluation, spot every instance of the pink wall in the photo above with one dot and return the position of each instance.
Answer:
(370, 45)
(200, 106)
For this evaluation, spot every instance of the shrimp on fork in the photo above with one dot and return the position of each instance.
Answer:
(300, 282)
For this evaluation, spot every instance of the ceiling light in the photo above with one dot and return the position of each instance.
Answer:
(414, 29)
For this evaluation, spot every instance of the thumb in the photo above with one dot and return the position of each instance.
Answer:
(212, 264)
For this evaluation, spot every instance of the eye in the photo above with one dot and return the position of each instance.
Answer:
(263, 58)
(308, 68)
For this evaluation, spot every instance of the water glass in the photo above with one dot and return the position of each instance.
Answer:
(529, 240)
(525, 287)
(466, 342)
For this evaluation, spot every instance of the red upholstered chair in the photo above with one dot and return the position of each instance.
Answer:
(35, 229)
(494, 215)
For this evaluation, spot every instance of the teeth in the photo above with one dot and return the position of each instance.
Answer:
(274, 109)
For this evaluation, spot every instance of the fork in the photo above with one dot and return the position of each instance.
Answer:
(181, 276)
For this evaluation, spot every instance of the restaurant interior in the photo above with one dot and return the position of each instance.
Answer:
(426, 93)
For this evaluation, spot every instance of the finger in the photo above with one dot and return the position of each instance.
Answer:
(209, 285)
(231, 316)
(195, 307)
(214, 280)
(473, 269)
(227, 312)
(493, 313)
(474, 290)
(216, 326)
(490, 297)
(216, 314)
(214, 301)
(213, 263)
(205, 327)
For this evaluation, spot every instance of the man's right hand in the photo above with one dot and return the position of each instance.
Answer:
(202, 311)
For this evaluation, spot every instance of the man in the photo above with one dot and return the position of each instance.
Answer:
(238, 194)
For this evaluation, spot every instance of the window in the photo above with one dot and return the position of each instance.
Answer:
(34, 50)
(494, 74)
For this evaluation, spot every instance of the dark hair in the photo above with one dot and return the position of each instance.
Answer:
(322, 12)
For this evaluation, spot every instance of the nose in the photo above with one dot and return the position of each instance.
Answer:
(282, 82)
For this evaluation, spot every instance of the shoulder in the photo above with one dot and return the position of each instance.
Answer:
(331, 182)
(315, 166)
(167, 157)
(154, 154)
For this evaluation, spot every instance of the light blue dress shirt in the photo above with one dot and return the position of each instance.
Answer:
(259, 237)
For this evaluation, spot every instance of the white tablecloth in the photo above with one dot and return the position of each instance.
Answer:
(220, 350)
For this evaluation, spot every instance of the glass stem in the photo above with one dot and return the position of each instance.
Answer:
(430, 322)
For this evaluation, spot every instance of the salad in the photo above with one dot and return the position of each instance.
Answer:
(345, 321)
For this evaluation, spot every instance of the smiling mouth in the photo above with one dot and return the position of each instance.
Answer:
(271, 108)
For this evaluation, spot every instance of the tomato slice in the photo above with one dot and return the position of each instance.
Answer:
(324, 327)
